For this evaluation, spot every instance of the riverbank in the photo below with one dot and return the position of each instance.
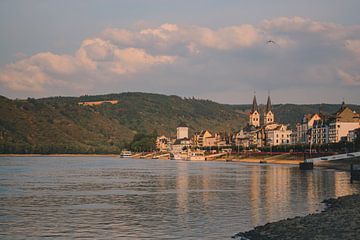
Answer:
(243, 160)
(340, 220)
(59, 155)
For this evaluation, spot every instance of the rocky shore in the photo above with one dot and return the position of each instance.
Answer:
(340, 220)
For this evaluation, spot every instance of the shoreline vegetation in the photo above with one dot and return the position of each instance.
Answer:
(339, 220)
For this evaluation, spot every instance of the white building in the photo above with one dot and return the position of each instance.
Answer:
(182, 131)
(277, 134)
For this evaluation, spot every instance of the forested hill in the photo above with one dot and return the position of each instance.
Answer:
(61, 125)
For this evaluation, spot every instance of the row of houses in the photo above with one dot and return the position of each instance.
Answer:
(319, 128)
(259, 132)
(264, 131)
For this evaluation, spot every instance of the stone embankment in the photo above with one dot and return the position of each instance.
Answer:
(340, 220)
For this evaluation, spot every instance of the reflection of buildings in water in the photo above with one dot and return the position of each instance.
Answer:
(311, 191)
(255, 198)
(342, 187)
(182, 187)
(205, 185)
(277, 191)
(269, 193)
(200, 184)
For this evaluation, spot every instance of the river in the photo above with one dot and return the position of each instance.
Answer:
(113, 198)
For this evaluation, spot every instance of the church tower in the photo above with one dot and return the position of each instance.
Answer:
(269, 115)
(254, 119)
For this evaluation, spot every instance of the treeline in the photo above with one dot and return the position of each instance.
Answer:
(142, 142)
(25, 148)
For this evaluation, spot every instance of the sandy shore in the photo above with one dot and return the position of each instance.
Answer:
(340, 220)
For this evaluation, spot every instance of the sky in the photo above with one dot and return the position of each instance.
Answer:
(298, 51)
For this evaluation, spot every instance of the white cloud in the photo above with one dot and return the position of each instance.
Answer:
(168, 35)
(96, 57)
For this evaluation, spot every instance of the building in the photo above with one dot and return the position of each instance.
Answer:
(182, 131)
(242, 139)
(180, 144)
(269, 115)
(341, 123)
(277, 134)
(319, 133)
(304, 127)
(163, 143)
(254, 118)
(321, 129)
(269, 134)
(353, 135)
(203, 139)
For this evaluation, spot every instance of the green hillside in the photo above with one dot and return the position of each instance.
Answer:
(61, 125)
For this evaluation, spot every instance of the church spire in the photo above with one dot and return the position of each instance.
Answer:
(269, 115)
(254, 105)
(268, 104)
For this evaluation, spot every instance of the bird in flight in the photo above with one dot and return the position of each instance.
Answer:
(271, 42)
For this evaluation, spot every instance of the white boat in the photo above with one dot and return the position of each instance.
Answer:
(189, 156)
(197, 156)
(179, 156)
(125, 154)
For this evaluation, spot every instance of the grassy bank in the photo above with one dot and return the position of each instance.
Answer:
(340, 220)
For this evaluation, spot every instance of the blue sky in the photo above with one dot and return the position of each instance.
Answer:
(208, 49)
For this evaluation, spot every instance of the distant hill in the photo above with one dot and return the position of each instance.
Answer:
(61, 125)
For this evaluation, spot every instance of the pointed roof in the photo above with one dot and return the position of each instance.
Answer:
(268, 105)
(343, 105)
(254, 105)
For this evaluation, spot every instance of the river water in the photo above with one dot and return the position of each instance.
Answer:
(113, 198)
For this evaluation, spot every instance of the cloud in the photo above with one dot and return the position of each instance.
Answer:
(353, 46)
(194, 59)
(297, 24)
(94, 57)
(350, 79)
(169, 35)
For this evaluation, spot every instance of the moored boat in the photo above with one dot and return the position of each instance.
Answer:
(125, 154)
(197, 156)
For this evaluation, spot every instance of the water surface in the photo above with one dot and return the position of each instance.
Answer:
(108, 198)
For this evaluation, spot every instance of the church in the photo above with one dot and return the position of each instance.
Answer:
(262, 130)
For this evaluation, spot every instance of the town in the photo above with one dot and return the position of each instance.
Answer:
(262, 133)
